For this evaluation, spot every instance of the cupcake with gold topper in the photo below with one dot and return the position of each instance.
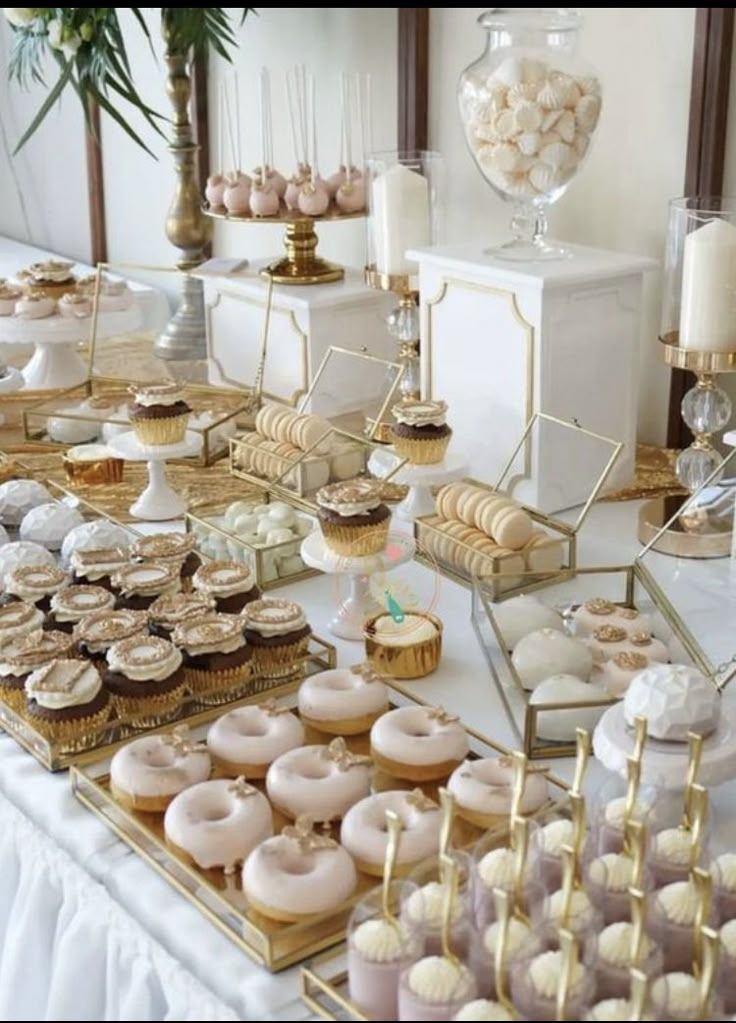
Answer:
(407, 648)
(217, 659)
(352, 517)
(138, 585)
(96, 565)
(71, 604)
(231, 585)
(145, 676)
(97, 632)
(67, 704)
(22, 654)
(172, 609)
(169, 549)
(421, 433)
(159, 413)
(35, 584)
(278, 632)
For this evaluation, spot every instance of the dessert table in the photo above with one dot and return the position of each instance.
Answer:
(89, 931)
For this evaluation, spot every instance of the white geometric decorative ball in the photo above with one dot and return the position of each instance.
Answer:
(3, 536)
(49, 523)
(93, 534)
(17, 497)
(18, 552)
(675, 699)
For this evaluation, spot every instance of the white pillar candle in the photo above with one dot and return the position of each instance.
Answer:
(708, 309)
(400, 218)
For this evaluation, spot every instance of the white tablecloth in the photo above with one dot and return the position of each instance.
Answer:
(88, 931)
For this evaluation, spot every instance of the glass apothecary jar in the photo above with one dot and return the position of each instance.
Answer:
(529, 107)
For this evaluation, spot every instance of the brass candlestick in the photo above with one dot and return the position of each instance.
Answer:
(184, 337)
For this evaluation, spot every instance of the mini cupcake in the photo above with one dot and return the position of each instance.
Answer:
(71, 604)
(19, 619)
(230, 583)
(21, 655)
(169, 548)
(75, 306)
(9, 295)
(35, 584)
(217, 660)
(98, 564)
(172, 609)
(145, 676)
(353, 520)
(420, 432)
(279, 634)
(408, 649)
(159, 413)
(67, 704)
(139, 585)
(96, 633)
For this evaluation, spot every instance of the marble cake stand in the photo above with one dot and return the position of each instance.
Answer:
(158, 501)
(419, 478)
(55, 363)
(359, 605)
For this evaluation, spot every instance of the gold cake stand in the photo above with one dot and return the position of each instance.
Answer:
(301, 265)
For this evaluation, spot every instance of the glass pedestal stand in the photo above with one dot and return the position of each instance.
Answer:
(703, 530)
(402, 324)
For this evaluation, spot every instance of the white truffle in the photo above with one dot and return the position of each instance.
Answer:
(519, 616)
(560, 725)
(548, 652)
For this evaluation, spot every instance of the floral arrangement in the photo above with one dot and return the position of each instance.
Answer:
(87, 45)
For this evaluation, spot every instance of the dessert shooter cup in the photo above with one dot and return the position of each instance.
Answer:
(663, 1001)
(414, 1007)
(373, 976)
(483, 959)
(723, 872)
(676, 940)
(422, 911)
(666, 870)
(606, 813)
(613, 979)
(608, 890)
(532, 1004)
(726, 979)
(503, 876)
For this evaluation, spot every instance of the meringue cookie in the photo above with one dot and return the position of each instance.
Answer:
(528, 116)
(529, 142)
(587, 110)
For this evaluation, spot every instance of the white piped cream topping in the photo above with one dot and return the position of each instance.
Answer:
(144, 658)
(728, 938)
(413, 629)
(517, 936)
(147, 579)
(223, 578)
(611, 1009)
(581, 909)
(677, 992)
(420, 413)
(612, 871)
(545, 971)
(496, 869)
(436, 980)
(614, 944)
(615, 812)
(555, 835)
(483, 1008)
(724, 871)
(354, 497)
(380, 941)
(19, 619)
(63, 683)
(209, 634)
(167, 392)
(273, 617)
(32, 582)
(673, 845)
(427, 904)
(74, 602)
(679, 902)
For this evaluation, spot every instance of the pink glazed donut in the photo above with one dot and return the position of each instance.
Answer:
(148, 772)
(364, 834)
(322, 781)
(483, 790)
(297, 874)
(418, 743)
(343, 701)
(248, 739)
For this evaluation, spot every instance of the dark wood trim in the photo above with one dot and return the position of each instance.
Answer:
(413, 69)
(97, 227)
(706, 146)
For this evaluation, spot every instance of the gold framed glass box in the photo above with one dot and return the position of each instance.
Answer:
(462, 550)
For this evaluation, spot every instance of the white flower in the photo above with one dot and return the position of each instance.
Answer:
(55, 29)
(64, 39)
(71, 44)
(20, 16)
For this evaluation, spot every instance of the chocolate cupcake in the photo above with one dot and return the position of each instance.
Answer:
(166, 612)
(96, 633)
(97, 565)
(67, 704)
(71, 604)
(352, 518)
(217, 660)
(278, 632)
(145, 677)
(170, 548)
(421, 433)
(20, 655)
(17, 618)
(35, 584)
(159, 413)
(139, 585)
(230, 583)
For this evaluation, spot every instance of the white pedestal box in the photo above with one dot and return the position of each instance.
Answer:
(501, 341)
(305, 321)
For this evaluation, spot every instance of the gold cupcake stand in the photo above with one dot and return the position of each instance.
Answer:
(219, 897)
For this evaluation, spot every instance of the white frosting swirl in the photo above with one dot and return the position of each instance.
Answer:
(99, 630)
(63, 683)
(613, 871)
(673, 845)
(427, 904)
(19, 619)
(144, 658)
(615, 812)
(581, 909)
(355, 497)
(380, 941)
(150, 395)
(545, 971)
(23, 653)
(482, 1008)
(74, 602)
(414, 629)
(420, 413)
(679, 902)
(677, 992)
(614, 944)
(556, 834)
(436, 980)
(273, 617)
(496, 869)
(223, 578)
(611, 1009)
(724, 871)
(517, 935)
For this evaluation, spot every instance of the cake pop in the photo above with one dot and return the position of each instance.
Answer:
(264, 200)
(214, 191)
(237, 193)
(350, 196)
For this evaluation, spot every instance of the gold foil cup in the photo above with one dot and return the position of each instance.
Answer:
(159, 432)
(355, 541)
(420, 451)
(413, 660)
(149, 711)
(285, 661)
(213, 688)
(92, 464)
(74, 735)
(14, 697)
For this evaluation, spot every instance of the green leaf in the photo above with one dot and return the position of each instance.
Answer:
(47, 104)
(110, 109)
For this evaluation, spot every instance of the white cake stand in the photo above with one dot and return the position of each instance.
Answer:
(665, 763)
(158, 501)
(419, 479)
(359, 605)
(55, 363)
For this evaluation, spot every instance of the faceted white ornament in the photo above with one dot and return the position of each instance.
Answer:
(19, 553)
(94, 534)
(48, 524)
(17, 497)
(675, 699)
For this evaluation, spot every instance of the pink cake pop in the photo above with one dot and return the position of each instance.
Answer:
(314, 198)
(336, 180)
(351, 196)
(237, 193)
(214, 191)
(264, 200)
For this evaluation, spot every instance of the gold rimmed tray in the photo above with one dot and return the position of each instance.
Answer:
(325, 986)
(219, 897)
(118, 731)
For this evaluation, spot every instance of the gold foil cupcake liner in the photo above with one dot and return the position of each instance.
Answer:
(159, 432)
(355, 541)
(421, 452)
(213, 688)
(92, 472)
(74, 735)
(414, 660)
(14, 698)
(149, 711)
(280, 662)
